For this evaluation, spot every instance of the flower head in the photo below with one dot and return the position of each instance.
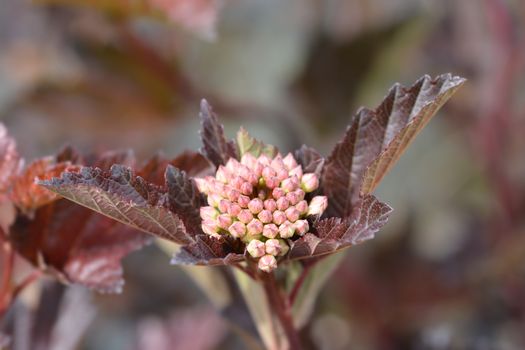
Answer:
(260, 200)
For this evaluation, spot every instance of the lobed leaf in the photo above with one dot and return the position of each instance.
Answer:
(215, 146)
(184, 199)
(310, 160)
(207, 250)
(248, 144)
(123, 196)
(375, 139)
(334, 234)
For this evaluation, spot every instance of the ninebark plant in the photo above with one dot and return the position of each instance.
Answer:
(276, 219)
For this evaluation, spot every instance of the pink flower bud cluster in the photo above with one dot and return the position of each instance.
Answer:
(262, 202)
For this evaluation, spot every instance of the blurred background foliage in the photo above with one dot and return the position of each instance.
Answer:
(447, 272)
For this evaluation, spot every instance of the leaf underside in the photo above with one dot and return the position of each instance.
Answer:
(208, 250)
(375, 139)
(215, 146)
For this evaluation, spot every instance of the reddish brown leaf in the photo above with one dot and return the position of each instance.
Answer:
(208, 250)
(376, 139)
(216, 148)
(334, 234)
(310, 159)
(123, 196)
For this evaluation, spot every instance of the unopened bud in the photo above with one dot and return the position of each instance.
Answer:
(317, 205)
(256, 248)
(279, 217)
(278, 193)
(297, 171)
(273, 247)
(267, 263)
(270, 205)
(210, 227)
(309, 182)
(282, 174)
(264, 160)
(223, 175)
(224, 221)
(253, 179)
(234, 210)
(302, 207)
(293, 198)
(270, 231)
(292, 214)
(255, 205)
(224, 205)
(289, 184)
(289, 161)
(284, 247)
(243, 201)
(249, 160)
(255, 227)
(258, 168)
(246, 188)
(272, 182)
(233, 194)
(268, 173)
(282, 203)
(214, 199)
(208, 213)
(232, 165)
(300, 193)
(245, 216)
(244, 172)
(286, 230)
(301, 227)
(237, 229)
(202, 185)
(236, 182)
(265, 216)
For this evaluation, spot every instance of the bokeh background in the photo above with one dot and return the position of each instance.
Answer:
(447, 272)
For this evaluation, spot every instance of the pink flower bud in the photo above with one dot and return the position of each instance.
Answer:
(210, 227)
(234, 209)
(264, 160)
(278, 193)
(270, 205)
(265, 216)
(244, 172)
(293, 198)
(245, 216)
(300, 193)
(301, 227)
(317, 205)
(217, 187)
(255, 205)
(302, 207)
(208, 213)
(268, 173)
(282, 203)
(286, 230)
(284, 247)
(232, 165)
(224, 205)
(270, 231)
(246, 188)
(309, 182)
(233, 194)
(277, 163)
(243, 201)
(279, 217)
(223, 175)
(297, 171)
(214, 199)
(224, 221)
(249, 160)
(273, 247)
(253, 179)
(202, 185)
(282, 174)
(289, 161)
(256, 248)
(262, 194)
(255, 227)
(236, 182)
(258, 169)
(267, 263)
(272, 182)
(292, 214)
(289, 184)
(237, 229)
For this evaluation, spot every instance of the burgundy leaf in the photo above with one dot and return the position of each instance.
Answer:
(310, 160)
(376, 139)
(208, 250)
(123, 196)
(334, 234)
(216, 148)
(184, 199)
